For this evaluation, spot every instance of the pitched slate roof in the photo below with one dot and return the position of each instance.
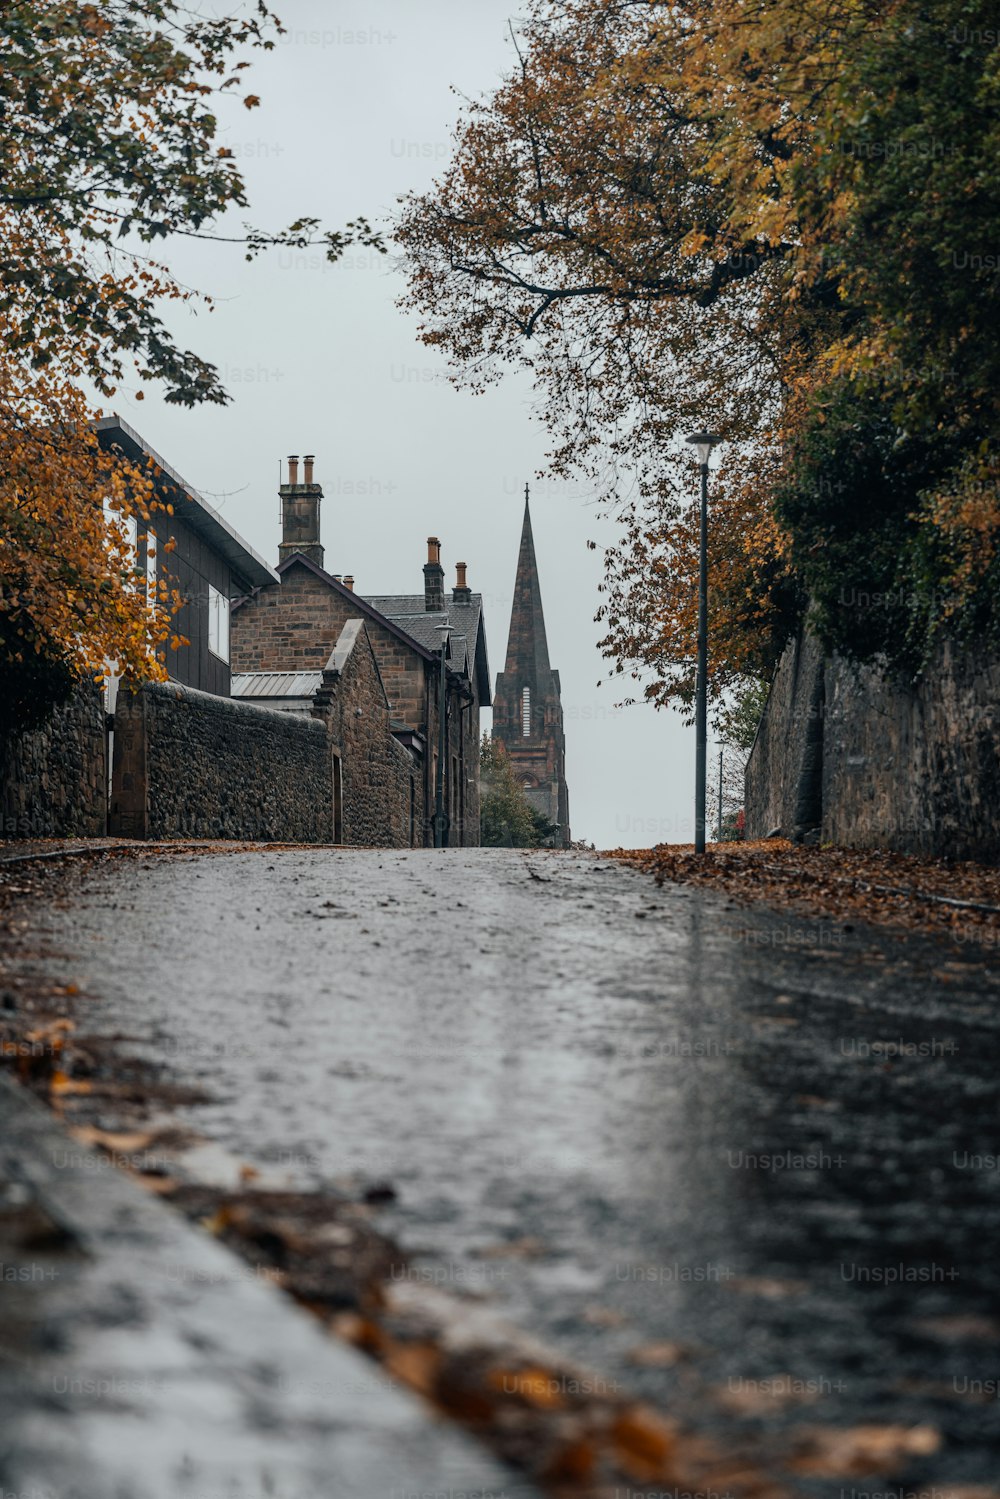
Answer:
(466, 618)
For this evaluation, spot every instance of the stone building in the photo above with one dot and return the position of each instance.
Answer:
(284, 634)
(527, 708)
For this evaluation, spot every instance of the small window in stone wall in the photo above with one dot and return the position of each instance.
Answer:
(218, 623)
(526, 713)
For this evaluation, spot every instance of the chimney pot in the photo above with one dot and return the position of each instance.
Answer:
(349, 582)
(461, 593)
(293, 468)
(433, 577)
(308, 462)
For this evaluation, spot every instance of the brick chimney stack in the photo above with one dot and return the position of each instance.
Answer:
(461, 593)
(433, 578)
(300, 513)
(349, 582)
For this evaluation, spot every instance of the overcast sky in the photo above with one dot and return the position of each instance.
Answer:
(357, 105)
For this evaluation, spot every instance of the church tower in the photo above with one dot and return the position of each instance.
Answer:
(527, 708)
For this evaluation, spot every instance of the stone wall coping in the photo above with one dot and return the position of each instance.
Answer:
(238, 708)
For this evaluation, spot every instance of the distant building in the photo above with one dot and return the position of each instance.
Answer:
(527, 705)
(285, 632)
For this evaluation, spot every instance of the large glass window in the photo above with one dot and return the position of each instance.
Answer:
(218, 623)
(150, 568)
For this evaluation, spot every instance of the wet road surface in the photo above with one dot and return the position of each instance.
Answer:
(741, 1163)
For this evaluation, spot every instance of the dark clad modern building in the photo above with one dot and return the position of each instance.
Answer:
(208, 563)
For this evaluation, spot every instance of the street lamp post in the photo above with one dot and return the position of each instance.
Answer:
(441, 822)
(704, 442)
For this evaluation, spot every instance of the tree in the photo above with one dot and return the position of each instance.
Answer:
(109, 146)
(507, 818)
(544, 830)
(578, 232)
(675, 215)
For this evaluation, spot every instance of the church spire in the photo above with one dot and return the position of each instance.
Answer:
(527, 708)
(527, 646)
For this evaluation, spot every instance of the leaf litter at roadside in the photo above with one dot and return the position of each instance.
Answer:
(914, 893)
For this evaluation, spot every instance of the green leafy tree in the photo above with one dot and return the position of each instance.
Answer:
(545, 829)
(507, 820)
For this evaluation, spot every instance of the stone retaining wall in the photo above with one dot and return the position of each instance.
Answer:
(53, 780)
(191, 765)
(914, 768)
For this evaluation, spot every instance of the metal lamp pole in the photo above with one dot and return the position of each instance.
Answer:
(440, 823)
(704, 442)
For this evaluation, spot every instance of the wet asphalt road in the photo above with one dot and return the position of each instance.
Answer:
(770, 1141)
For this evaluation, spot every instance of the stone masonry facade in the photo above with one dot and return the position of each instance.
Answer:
(382, 805)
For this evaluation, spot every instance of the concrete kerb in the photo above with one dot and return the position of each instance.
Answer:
(149, 1360)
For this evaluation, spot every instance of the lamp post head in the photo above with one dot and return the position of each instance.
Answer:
(443, 633)
(704, 442)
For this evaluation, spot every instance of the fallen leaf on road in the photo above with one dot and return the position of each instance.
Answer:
(965, 1329)
(762, 1285)
(414, 1364)
(218, 1222)
(538, 1387)
(65, 1086)
(855, 1451)
(658, 1355)
(515, 1249)
(114, 1144)
(603, 1316)
(573, 1462)
(643, 1442)
(161, 1185)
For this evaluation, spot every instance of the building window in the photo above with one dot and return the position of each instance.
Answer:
(525, 712)
(218, 623)
(125, 530)
(150, 569)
